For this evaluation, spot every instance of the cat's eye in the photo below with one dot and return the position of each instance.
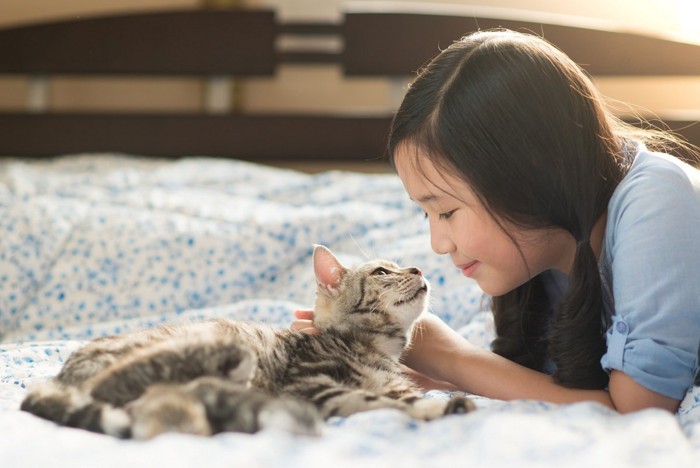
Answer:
(381, 271)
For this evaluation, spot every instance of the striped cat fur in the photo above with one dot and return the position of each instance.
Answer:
(221, 375)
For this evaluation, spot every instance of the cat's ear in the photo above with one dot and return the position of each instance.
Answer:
(329, 271)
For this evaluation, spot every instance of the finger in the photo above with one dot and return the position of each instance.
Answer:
(305, 326)
(300, 324)
(304, 314)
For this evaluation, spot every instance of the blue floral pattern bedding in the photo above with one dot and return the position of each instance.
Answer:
(92, 245)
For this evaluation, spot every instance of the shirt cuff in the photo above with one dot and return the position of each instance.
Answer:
(659, 368)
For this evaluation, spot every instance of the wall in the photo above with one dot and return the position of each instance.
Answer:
(92, 93)
(323, 88)
(669, 95)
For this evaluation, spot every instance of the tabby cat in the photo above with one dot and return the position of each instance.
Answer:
(221, 375)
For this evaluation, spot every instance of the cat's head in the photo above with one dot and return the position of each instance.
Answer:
(376, 295)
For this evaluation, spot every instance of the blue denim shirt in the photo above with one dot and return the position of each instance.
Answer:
(650, 270)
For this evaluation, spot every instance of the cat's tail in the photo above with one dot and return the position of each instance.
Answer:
(70, 407)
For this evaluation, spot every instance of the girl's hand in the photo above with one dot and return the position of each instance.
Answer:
(304, 322)
(433, 352)
(425, 382)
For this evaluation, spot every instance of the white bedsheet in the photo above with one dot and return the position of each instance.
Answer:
(102, 244)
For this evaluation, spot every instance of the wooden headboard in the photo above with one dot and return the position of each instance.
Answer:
(239, 43)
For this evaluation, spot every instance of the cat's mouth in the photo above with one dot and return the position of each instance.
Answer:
(419, 292)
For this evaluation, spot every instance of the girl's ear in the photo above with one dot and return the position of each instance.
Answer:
(329, 271)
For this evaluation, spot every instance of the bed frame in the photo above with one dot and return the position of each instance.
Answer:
(241, 43)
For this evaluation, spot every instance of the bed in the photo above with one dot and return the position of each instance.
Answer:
(113, 222)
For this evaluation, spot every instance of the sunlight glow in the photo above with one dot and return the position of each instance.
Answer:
(688, 14)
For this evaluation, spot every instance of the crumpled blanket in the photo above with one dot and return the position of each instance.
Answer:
(92, 245)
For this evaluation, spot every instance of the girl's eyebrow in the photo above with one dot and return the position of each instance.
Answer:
(428, 198)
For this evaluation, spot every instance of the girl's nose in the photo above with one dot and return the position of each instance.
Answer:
(439, 242)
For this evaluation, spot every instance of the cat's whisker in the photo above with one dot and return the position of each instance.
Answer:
(357, 244)
(381, 297)
(419, 330)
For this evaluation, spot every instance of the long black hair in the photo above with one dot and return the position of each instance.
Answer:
(526, 129)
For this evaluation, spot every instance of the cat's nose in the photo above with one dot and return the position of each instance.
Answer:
(416, 271)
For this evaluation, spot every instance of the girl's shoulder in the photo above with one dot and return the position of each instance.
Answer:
(652, 169)
(655, 205)
(656, 182)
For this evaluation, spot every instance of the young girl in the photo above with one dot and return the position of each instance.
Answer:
(586, 240)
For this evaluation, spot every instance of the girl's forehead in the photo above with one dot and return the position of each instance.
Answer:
(423, 179)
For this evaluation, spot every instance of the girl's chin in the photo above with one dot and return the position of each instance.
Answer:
(493, 288)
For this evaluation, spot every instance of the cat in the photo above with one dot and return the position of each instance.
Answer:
(222, 375)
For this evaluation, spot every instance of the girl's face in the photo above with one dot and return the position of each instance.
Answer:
(462, 227)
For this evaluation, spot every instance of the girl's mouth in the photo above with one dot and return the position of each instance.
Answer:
(468, 269)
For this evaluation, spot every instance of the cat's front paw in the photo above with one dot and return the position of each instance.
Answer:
(459, 405)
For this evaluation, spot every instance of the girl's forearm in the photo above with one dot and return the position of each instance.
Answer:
(485, 373)
(443, 354)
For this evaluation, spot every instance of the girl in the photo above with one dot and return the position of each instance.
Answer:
(587, 241)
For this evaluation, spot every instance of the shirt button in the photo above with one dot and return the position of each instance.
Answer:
(621, 327)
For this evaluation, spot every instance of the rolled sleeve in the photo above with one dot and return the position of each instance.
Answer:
(657, 366)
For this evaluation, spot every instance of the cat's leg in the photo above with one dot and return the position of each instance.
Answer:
(232, 407)
(167, 408)
(100, 353)
(209, 405)
(336, 400)
(345, 402)
(399, 388)
(70, 407)
(174, 361)
(91, 359)
(428, 409)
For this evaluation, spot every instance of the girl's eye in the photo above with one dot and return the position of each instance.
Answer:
(443, 216)
(380, 271)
